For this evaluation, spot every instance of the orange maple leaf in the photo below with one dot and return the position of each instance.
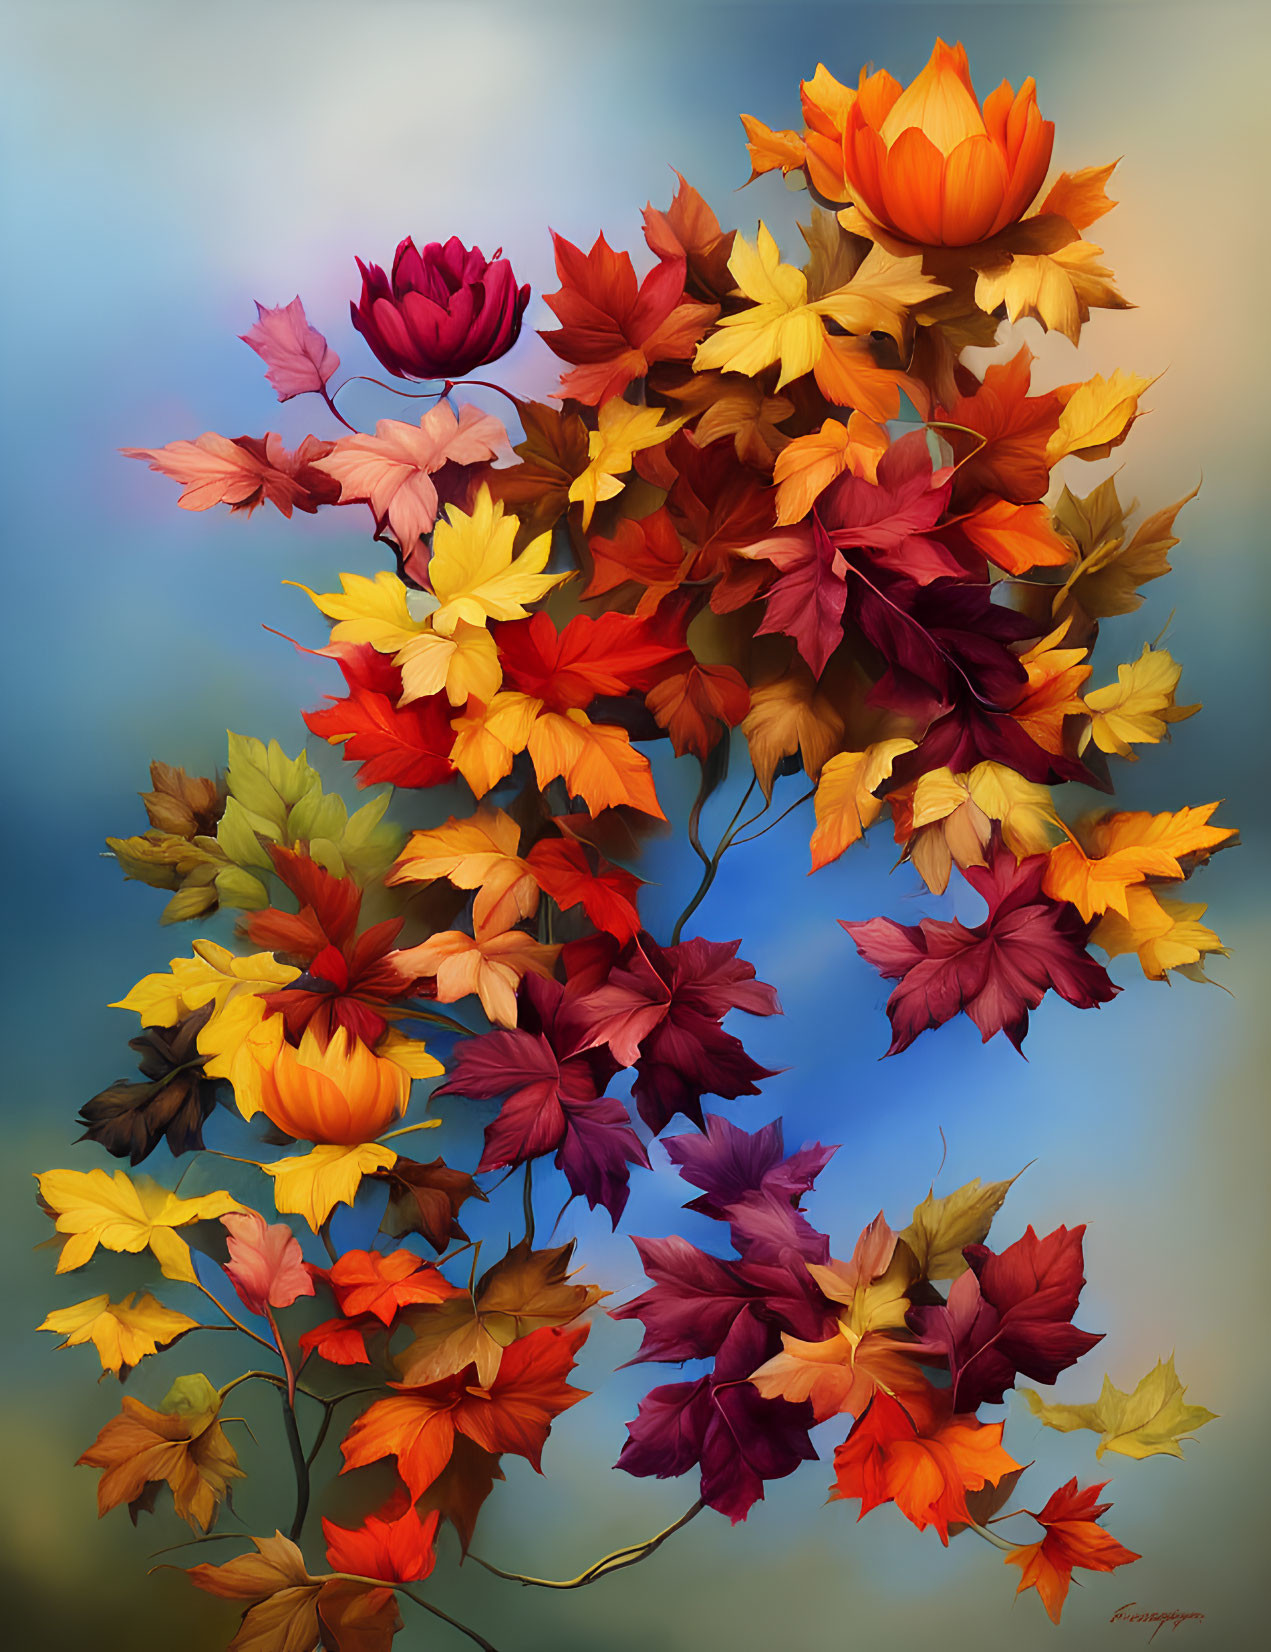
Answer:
(1072, 1539)
(1014, 427)
(418, 1426)
(1124, 850)
(919, 1457)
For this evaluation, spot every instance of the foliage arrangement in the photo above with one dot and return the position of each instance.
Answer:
(766, 497)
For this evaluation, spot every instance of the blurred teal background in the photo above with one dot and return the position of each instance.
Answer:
(165, 165)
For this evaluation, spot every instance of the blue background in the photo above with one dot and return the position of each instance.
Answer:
(166, 165)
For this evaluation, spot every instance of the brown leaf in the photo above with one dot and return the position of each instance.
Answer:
(553, 455)
(462, 1487)
(426, 1199)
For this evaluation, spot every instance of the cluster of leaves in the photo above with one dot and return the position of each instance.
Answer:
(764, 497)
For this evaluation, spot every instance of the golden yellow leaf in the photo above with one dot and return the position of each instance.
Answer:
(1097, 416)
(1125, 850)
(942, 1227)
(1059, 289)
(845, 803)
(1025, 809)
(1106, 581)
(622, 431)
(411, 1055)
(238, 1043)
(1166, 934)
(120, 1214)
(1055, 674)
(768, 149)
(313, 1183)
(1137, 707)
(1149, 1422)
(213, 976)
(123, 1333)
(881, 294)
(475, 572)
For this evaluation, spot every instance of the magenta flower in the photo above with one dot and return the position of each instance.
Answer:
(445, 310)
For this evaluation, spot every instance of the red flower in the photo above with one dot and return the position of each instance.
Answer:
(445, 310)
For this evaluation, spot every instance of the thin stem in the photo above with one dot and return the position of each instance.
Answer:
(527, 1200)
(287, 1366)
(411, 395)
(401, 1589)
(234, 1321)
(299, 1463)
(327, 399)
(711, 862)
(250, 1376)
(408, 1129)
(798, 803)
(614, 1562)
(993, 1538)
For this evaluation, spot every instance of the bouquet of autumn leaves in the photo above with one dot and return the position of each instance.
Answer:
(764, 497)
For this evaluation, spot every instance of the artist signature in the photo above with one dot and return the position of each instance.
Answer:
(1129, 1613)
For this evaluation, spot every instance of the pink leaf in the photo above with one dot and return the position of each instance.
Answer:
(266, 1266)
(297, 357)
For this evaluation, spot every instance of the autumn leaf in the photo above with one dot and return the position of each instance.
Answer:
(572, 875)
(120, 1214)
(769, 150)
(489, 964)
(725, 404)
(614, 329)
(527, 1290)
(689, 229)
(244, 473)
(392, 471)
(806, 466)
(1112, 567)
(1059, 288)
(1097, 416)
(1024, 809)
(790, 716)
(213, 976)
(182, 1443)
(289, 1611)
(926, 1470)
(296, 356)
(479, 853)
(488, 738)
(1072, 1539)
(1136, 709)
(645, 550)
(512, 1411)
(123, 1333)
(266, 1265)
(1149, 1422)
(426, 1199)
(129, 1119)
(598, 762)
(1015, 429)
(1054, 676)
(552, 454)
(1015, 538)
(1124, 849)
(407, 746)
(698, 706)
(845, 803)
(312, 1184)
(475, 572)
(941, 1228)
(622, 430)
(395, 1546)
(1165, 934)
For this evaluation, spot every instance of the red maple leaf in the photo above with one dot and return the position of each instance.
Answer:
(396, 1544)
(573, 874)
(696, 707)
(398, 745)
(614, 328)
(567, 669)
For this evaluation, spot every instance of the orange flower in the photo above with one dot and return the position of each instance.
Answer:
(926, 162)
(341, 1093)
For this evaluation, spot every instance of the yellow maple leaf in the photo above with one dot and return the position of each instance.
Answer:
(622, 431)
(963, 805)
(845, 803)
(1165, 934)
(783, 325)
(806, 466)
(1106, 580)
(213, 976)
(1137, 707)
(475, 572)
(1097, 416)
(413, 1057)
(478, 853)
(374, 611)
(1055, 674)
(1126, 849)
(942, 1227)
(312, 1184)
(121, 1214)
(123, 1333)
(1059, 289)
(1149, 1422)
